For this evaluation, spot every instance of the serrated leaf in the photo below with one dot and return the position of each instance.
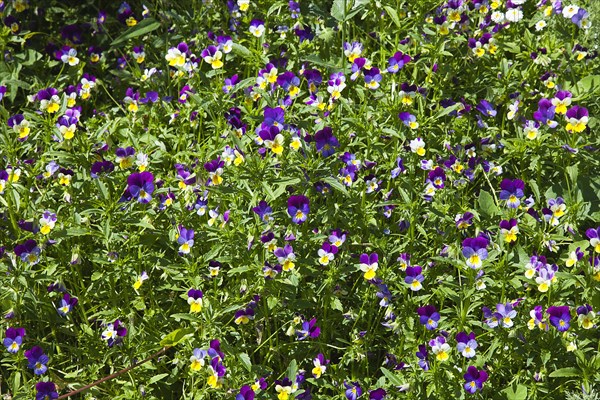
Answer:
(97, 275)
(393, 15)
(336, 185)
(393, 378)
(142, 28)
(448, 110)
(336, 304)
(157, 378)
(241, 50)
(272, 302)
(520, 393)
(176, 337)
(238, 270)
(565, 372)
(245, 359)
(486, 204)
(338, 9)
(292, 369)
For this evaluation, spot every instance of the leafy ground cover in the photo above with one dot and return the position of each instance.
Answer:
(349, 199)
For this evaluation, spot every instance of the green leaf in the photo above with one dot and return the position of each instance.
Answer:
(176, 337)
(188, 317)
(336, 304)
(447, 110)
(314, 59)
(241, 50)
(276, 7)
(272, 302)
(245, 359)
(97, 275)
(486, 204)
(157, 378)
(336, 185)
(520, 393)
(393, 15)
(338, 9)
(344, 10)
(292, 369)
(17, 381)
(587, 85)
(142, 28)
(238, 270)
(77, 232)
(565, 372)
(393, 378)
(269, 191)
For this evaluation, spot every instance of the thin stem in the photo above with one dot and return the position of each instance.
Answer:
(111, 376)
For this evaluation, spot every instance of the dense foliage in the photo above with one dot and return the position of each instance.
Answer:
(329, 200)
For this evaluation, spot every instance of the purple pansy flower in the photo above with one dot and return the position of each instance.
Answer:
(414, 278)
(298, 208)
(577, 118)
(560, 317)
(141, 186)
(423, 357)
(474, 379)
(512, 191)
(475, 251)
(353, 390)
(593, 234)
(66, 304)
(398, 61)
(13, 339)
(45, 391)
(215, 170)
(437, 177)
(246, 393)
(372, 78)
(309, 329)
(486, 108)
(185, 240)
(264, 211)
(505, 314)
(37, 360)
(195, 300)
(377, 394)
(545, 113)
(369, 263)
(114, 333)
(408, 120)
(466, 344)
(101, 167)
(463, 221)
(428, 316)
(325, 141)
(400, 169)
(28, 251)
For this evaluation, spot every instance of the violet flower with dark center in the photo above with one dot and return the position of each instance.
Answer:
(114, 333)
(13, 339)
(141, 186)
(560, 317)
(37, 360)
(309, 329)
(475, 251)
(428, 316)
(298, 208)
(325, 141)
(45, 391)
(512, 192)
(474, 379)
